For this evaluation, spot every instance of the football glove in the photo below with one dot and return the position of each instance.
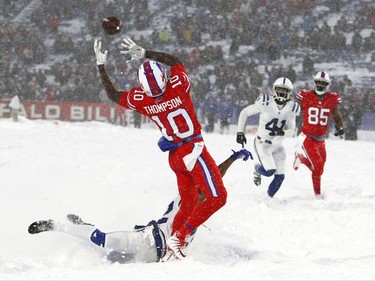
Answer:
(132, 49)
(277, 132)
(339, 132)
(243, 153)
(166, 145)
(241, 138)
(101, 58)
(280, 132)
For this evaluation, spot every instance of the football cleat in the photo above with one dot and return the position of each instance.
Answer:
(257, 176)
(41, 226)
(297, 160)
(177, 246)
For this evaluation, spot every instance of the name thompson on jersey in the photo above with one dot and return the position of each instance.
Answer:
(170, 104)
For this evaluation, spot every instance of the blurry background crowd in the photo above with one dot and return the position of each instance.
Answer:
(233, 49)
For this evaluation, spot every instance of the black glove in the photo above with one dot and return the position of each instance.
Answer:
(277, 132)
(339, 132)
(241, 138)
(280, 132)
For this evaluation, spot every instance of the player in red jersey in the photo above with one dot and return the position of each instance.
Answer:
(168, 103)
(145, 243)
(317, 107)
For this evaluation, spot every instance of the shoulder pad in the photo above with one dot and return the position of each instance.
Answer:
(305, 91)
(296, 108)
(263, 99)
(336, 96)
(302, 93)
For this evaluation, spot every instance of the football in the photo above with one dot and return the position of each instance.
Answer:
(111, 25)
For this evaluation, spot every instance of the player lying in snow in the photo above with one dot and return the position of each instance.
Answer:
(145, 243)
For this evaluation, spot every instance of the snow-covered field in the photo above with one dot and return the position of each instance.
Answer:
(117, 177)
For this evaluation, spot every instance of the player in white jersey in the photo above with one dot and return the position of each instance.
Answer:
(145, 243)
(277, 120)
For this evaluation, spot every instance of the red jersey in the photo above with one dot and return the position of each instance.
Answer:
(316, 112)
(173, 112)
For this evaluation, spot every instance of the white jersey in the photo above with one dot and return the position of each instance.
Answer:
(166, 222)
(145, 243)
(271, 117)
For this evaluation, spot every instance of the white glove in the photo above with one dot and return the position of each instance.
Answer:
(101, 58)
(132, 49)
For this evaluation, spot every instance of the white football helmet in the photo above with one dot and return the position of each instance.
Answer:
(322, 82)
(282, 88)
(152, 77)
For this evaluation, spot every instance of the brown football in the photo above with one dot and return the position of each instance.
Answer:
(111, 25)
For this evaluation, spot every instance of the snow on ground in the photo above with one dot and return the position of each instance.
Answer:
(116, 177)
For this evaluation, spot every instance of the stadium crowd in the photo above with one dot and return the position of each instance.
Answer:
(233, 49)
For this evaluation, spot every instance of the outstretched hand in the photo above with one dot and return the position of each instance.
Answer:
(101, 57)
(243, 153)
(241, 139)
(132, 49)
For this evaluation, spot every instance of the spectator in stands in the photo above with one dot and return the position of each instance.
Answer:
(369, 42)
(241, 90)
(273, 50)
(15, 106)
(256, 78)
(308, 65)
(342, 24)
(285, 60)
(218, 54)
(291, 73)
(357, 41)
(137, 119)
(210, 109)
(352, 112)
(369, 100)
(307, 23)
(254, 22)
(313, 40)
(338, 40)
(194, 59)
(165, 36)
(225, 113)
(295, 40)
(201, 88)
(235, 45)
(326, 29)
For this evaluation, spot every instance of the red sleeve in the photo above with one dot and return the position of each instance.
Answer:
(300, 97)
(124, 100)
(334, 100)
(183, 76)
(132, 99)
